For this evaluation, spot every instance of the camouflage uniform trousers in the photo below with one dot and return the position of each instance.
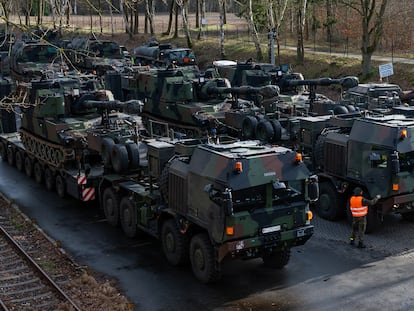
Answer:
(359, 225)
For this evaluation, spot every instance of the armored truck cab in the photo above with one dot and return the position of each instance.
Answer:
(375, 153)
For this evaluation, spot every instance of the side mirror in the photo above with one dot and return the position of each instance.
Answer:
(228, 202)
(395, 163)
(313, 188)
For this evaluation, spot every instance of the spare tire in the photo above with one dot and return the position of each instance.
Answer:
(264, 131)
(106, 149)
(133, 155)
(249, 127)
(119, 158)
(277, 128)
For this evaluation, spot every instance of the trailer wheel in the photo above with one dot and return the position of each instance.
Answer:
(106, 149)
(111, 206)
(28, 166)
(133, 156)
(3, 151)
(38, 172)
(330, 204)
(11, 156)
(128, 215)
(174, 243)
(119, 158)
(60, 186)
(49, 179)
(277, 259)
(264, 131)
(20, 161)
(249, 127)
(202, 259)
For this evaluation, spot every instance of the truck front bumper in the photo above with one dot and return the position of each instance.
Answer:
(255, 246)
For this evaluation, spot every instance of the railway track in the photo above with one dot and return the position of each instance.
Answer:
(24, 284)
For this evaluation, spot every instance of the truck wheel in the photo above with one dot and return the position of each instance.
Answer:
(38, 172)
(128, 215)
(174, 243)
(49, 179)
(277, 259)
(3, 151)
(373, 221)
(264, 131)
(119, 158)
(408, 216)
(60, 186)
(106, 149)
(330, 204)
(111, 206)
(249, 127)
(28, 166)
(11, 156)
(20, 160)
(202, 259)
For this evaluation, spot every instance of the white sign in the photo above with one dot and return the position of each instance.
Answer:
(386, 70)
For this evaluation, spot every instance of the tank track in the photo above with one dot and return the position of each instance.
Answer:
(53, 154)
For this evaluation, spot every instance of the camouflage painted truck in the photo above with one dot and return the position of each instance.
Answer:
(206, 201)
(373, 152)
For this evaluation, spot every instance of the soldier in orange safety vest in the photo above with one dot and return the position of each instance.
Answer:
(359, 209)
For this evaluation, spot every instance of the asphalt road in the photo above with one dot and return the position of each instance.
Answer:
(324, 274)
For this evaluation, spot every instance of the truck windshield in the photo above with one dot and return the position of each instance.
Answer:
(283, 193)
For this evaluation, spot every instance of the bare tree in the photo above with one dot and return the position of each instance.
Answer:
(253, 30)
(300, 19)
(183, 5)
(222, 51)
(372, 22)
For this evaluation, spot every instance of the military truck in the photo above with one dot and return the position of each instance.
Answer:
(162, 55)
(374, 152)
(207, 201)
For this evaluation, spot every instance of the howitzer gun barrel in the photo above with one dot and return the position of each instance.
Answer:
(267, 90)
(346, 82)
(131, 106)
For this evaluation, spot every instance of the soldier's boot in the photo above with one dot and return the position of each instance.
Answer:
(361, 244)
(351, 241)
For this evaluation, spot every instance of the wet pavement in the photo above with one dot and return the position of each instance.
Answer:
(324, 274)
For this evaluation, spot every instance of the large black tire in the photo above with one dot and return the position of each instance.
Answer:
(277, 259)
(38, 172)
(106, 150)
(202, 259)
(60, 186)
(277, 128)
(174, 244)
(3, 151)
(119, 158)
(408, 216)
(128, 217)
(133, 156)
(264, 131)
(20, 160)
(49, 179)
(331, 204)
(249, 127)
(373, 220)
(110, 204)
(28, 166)
(11, 156)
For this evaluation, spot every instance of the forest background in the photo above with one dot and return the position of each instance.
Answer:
(242, 29)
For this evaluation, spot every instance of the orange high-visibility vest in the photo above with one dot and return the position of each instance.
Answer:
(355, 204)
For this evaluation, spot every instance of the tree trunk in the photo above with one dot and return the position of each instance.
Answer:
(222, 51)
(203, 18)
(170, 18)
(176, 19)
(301, 16)
(255, 35)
